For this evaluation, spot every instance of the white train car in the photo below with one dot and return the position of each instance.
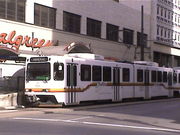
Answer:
(75, 78)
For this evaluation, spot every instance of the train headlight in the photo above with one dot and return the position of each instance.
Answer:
(28, 90)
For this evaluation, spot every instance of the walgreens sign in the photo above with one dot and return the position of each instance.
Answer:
(13, 41)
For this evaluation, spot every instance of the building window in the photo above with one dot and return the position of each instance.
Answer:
(128, 36)
(45, 16)
(169, 14)
(158, 9)
(93, 28)
(158, 27)
(71, 22)
(162, 11)
(139, 39)
(13, 10)
(112, 32)
(165, 32)
(161, 31)
(162, 59)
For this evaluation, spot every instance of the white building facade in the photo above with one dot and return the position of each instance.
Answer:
(111, 28)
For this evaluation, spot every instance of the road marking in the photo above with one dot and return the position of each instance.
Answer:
(100, 124)
(80, 118)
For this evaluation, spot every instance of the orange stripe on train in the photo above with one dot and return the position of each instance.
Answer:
(96, 84)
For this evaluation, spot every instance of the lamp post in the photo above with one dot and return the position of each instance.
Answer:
(142, 33)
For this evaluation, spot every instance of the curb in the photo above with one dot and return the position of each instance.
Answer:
(95, 106)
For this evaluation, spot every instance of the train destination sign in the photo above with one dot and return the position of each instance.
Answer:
(38, 59)
(13, 41)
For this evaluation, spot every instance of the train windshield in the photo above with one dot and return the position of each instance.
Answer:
(38, 71)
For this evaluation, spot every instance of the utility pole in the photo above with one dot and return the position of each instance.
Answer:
(142, 33)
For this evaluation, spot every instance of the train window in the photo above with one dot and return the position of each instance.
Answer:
(153, 76)
(140, 75)
(175, 77)
(96, 73)
(106, 73)
(164, 76)
(38, 71)
(126, 74)
(159, 73)
(58, 71)
(85, 73)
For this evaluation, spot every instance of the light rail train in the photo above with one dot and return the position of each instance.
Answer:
(75, 78)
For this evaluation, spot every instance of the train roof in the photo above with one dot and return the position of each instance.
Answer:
(147, 63)
(90, 56)
(176, 68)
(85, 56)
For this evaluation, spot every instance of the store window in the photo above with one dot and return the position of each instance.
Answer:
(93, 28)
(13, 10)
(44, 16)
(71, 22)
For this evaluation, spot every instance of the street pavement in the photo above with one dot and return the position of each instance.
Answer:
(159, 117)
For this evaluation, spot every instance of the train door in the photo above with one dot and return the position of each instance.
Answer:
(146, 81)
(140, 81)
(71, 82)
(116, 83)
(170, 83)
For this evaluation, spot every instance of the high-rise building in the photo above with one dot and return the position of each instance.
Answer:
(164, 29)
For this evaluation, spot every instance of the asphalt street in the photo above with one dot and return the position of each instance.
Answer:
(151, 118)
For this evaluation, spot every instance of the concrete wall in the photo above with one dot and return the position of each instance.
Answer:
(7, 100)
